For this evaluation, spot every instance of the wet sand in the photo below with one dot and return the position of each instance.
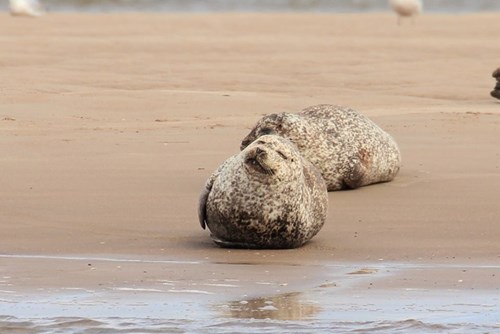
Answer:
(110, 125)
(159, 296)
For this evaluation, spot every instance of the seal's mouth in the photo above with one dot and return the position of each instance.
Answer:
(256, 161)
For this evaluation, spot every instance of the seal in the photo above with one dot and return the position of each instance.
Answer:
(496, 91)
(348, 148)
(267, 196)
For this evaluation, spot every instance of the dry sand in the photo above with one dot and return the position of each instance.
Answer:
(110, 125)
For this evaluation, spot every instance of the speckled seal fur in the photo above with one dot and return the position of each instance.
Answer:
(348, 148)
(267, 196)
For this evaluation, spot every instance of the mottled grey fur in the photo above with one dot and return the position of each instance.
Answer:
(348, 148)
(267, 196)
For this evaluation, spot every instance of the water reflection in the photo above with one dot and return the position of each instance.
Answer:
(288, 306)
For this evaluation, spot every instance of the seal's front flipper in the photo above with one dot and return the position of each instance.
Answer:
(232, 244)
(202, 206)
(356, 176)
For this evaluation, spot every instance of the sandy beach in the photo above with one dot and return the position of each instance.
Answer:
(110, 124)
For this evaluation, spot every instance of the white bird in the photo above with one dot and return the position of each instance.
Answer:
(406, 8)
(26, 8)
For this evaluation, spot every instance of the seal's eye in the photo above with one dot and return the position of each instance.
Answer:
(266, 131)
(282, 155)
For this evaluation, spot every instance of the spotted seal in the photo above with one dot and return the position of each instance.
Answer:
(267, 196)
(348, 148)
(496, 91)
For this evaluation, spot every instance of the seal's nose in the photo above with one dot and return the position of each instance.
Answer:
(258, 151)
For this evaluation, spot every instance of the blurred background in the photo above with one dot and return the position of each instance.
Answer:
(340, 6)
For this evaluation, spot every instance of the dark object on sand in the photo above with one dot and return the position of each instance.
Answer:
(496, 91)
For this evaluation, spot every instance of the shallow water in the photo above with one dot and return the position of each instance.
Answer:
(119, 325)
(352, 300)
(230, 325)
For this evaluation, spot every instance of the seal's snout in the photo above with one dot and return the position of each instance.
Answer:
(257, 159)
(261, 154)
(256, 152)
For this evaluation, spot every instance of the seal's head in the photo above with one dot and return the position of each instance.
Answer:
(273, 124)
(271, 157)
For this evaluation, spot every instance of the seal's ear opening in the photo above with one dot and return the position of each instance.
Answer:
(267, 131)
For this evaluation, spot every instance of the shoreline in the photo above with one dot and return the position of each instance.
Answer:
(110, 127)
(390, 294)
(227, 280)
